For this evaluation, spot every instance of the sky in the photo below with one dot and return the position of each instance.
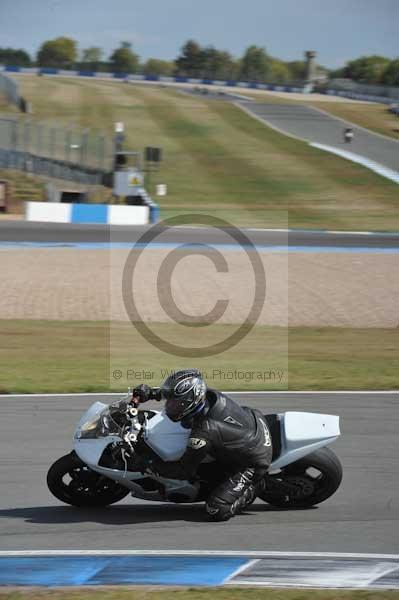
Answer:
(338, 30)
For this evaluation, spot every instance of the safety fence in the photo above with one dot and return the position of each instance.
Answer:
(388, 93)
(359, 96)
(52, 151)
(23, 161)
(9, 88)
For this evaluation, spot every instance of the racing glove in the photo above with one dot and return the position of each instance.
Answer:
(144, 392)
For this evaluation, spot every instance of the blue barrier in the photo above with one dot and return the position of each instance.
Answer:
(155, 212)
(363, 97)
(48, 71)
(89, 213)
(151, 77)
(117, 570)
(183, 79)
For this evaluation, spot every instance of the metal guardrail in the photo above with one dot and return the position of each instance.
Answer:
(87, 148)
(52, 151)
(29, 163)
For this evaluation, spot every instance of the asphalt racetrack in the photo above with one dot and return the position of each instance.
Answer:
(70, 234)
(363, 516)
(316, 126)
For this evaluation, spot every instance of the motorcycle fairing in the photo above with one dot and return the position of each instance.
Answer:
(301, 433)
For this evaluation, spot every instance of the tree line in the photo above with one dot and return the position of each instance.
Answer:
(196, 61)
(373, 69)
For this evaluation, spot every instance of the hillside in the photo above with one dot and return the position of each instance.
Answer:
(219, 160)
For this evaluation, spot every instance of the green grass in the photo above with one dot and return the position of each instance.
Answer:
(54, 356)
(219, 160)
(229, 593)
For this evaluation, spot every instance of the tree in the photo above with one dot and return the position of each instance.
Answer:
(91, 57)
(218, 64)
(60, 53)
(391, 73)
(297, 70)
(191, 61)
(14, 58)
(155, 66)
(279, 71)
(367, 69)
(256, 64)
(124, 60)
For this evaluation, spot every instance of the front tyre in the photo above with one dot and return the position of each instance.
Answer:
(304, 483)
(71, 481)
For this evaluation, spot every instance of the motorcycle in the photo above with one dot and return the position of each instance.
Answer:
(114, 445)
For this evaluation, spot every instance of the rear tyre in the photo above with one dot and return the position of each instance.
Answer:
(304, 483)
(73, 482)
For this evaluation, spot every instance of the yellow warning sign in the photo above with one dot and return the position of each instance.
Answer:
(135, 180)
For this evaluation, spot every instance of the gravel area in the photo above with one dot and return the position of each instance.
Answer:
(303, 289)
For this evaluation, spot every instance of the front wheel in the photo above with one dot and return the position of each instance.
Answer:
(304, 483)
(73, 482)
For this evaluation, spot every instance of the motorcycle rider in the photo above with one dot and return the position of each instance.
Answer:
(236, 436)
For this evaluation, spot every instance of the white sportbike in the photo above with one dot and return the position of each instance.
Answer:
(114, 445)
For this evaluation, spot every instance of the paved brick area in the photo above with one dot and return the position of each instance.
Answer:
(309, 289)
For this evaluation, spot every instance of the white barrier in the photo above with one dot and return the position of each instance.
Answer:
(49, 212)
(105, 214)
(128, 215)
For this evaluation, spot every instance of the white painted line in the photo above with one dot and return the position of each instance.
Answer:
(229, 392)
(355, 575)
(307, 231)
(240, 570)
(361, 160)
(352, 232)
(383, 571)
(251, 553)
(274, 584)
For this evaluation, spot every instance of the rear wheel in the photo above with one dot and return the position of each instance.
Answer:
(73, 482)
(304, 483)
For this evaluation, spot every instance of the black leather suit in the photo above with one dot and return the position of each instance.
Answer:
(238, 438)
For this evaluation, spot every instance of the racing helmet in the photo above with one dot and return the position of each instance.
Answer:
(185, 394)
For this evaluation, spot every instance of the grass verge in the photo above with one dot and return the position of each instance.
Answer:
(198, 594)
(62, 356)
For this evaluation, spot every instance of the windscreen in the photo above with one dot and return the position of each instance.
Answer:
(108, 422)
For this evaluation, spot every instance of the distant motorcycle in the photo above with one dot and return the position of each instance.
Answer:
(348, 135)
(114, 445)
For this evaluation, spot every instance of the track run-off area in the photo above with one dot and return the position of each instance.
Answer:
(349, 541)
